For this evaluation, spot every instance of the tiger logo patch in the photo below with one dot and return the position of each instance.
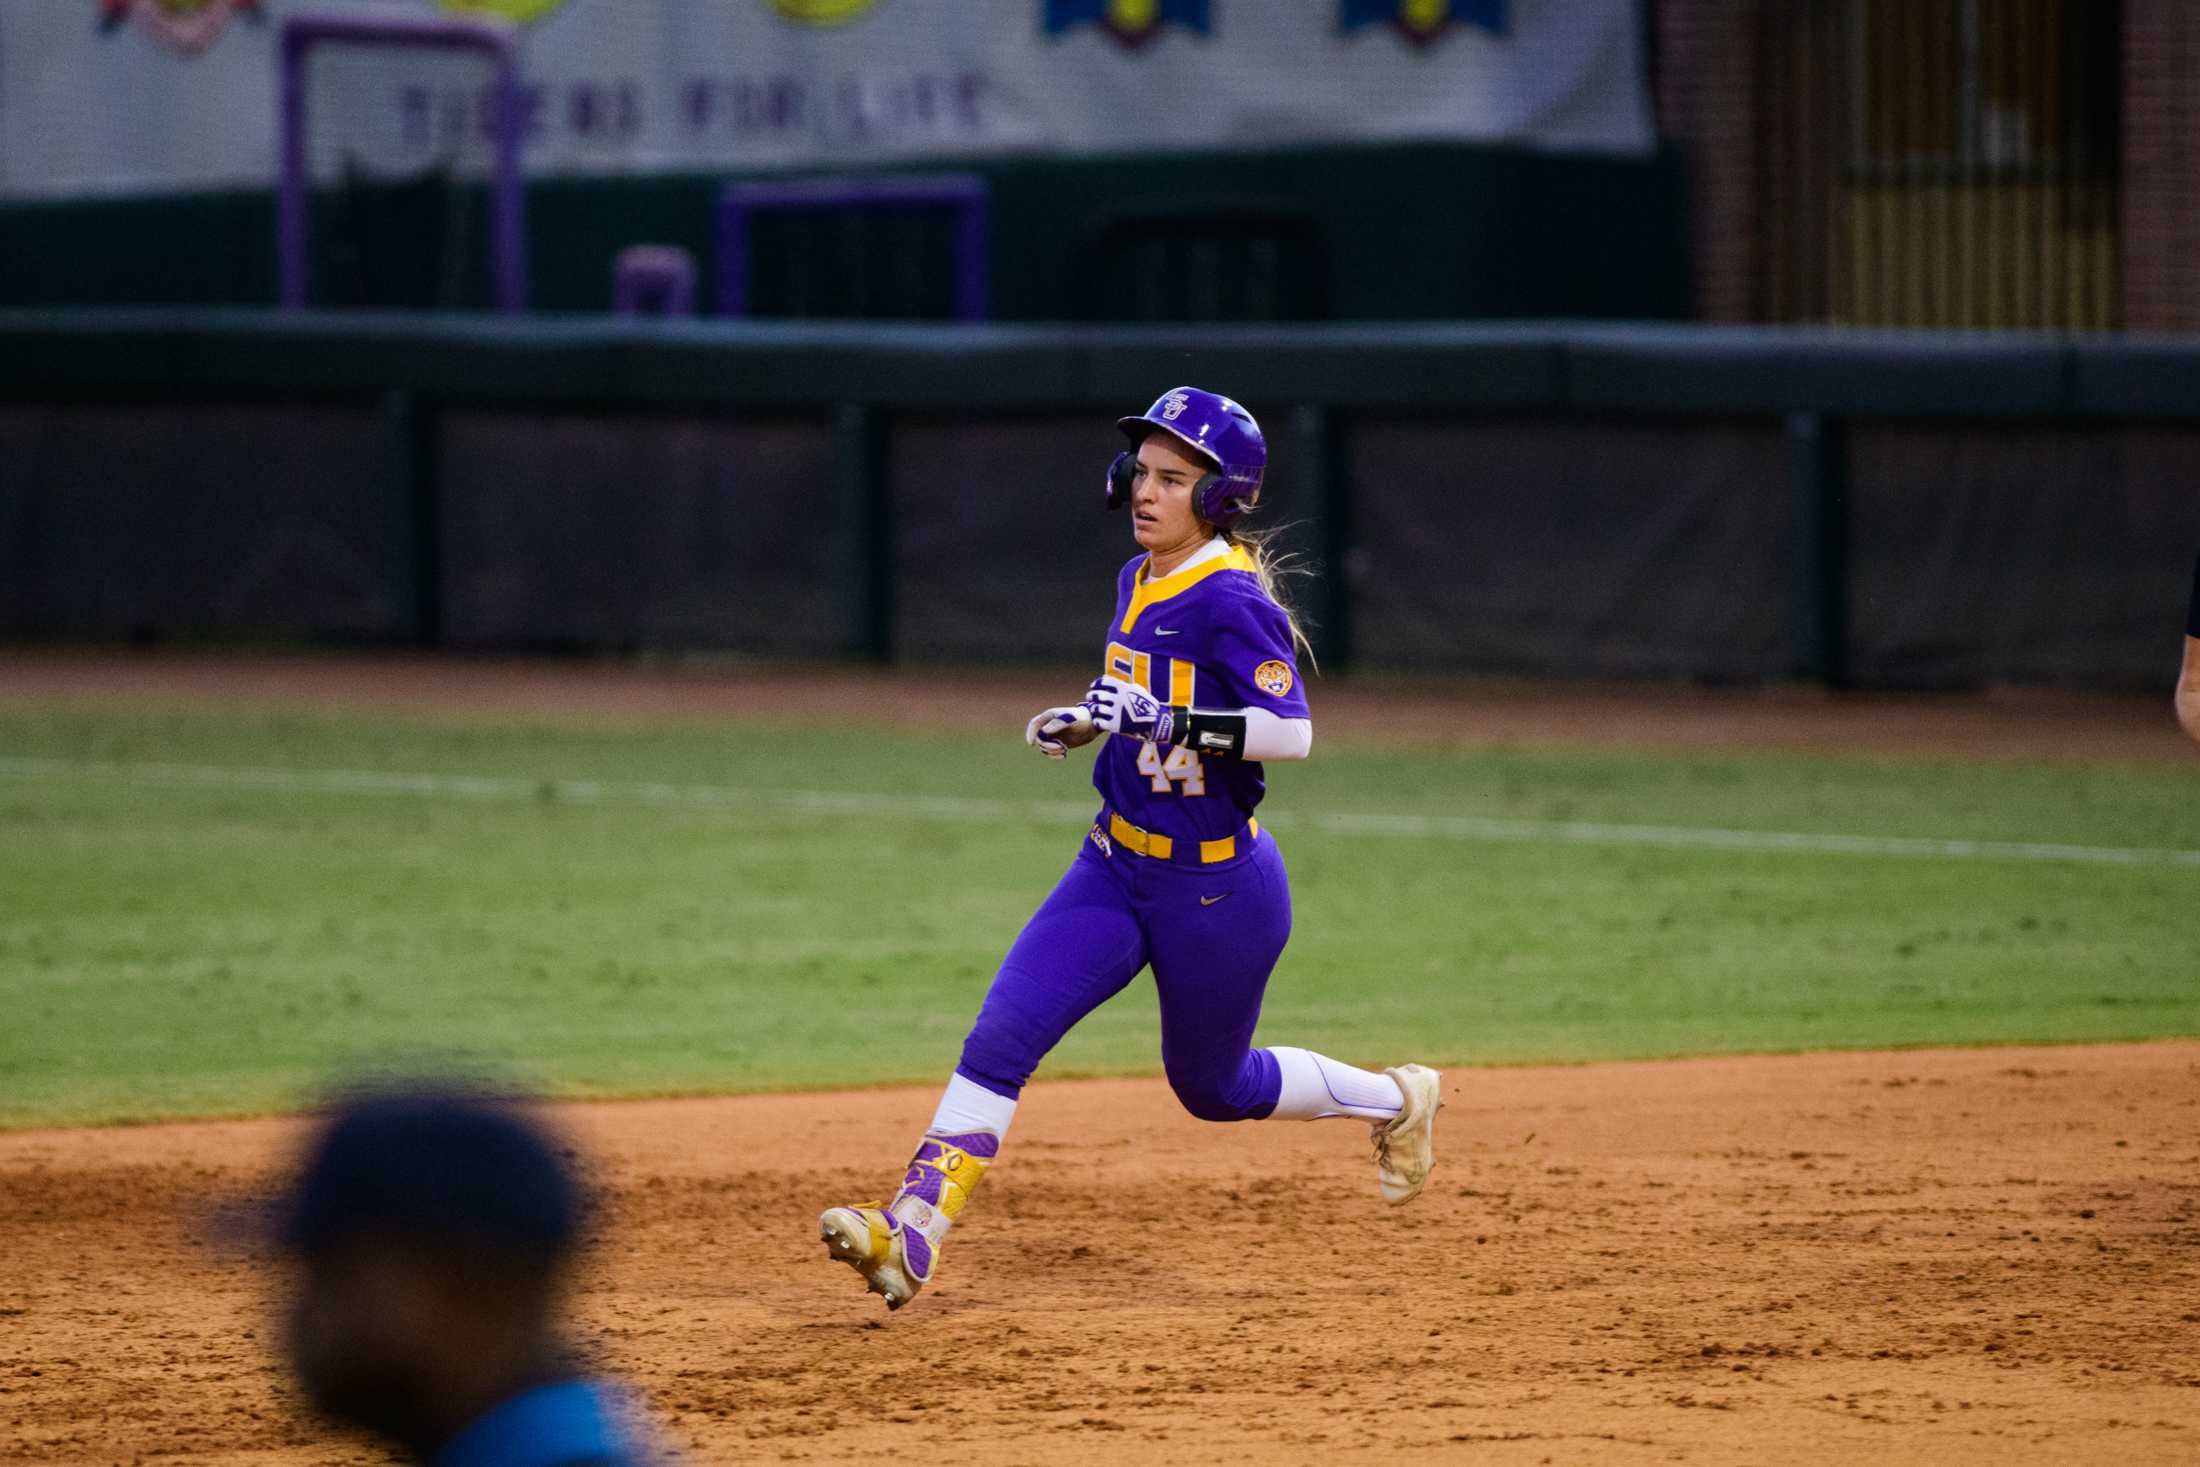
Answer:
(1273, 678)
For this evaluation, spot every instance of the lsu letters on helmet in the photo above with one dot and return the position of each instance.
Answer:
(1214, 428)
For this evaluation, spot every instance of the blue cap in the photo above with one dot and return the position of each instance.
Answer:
(435, 1167)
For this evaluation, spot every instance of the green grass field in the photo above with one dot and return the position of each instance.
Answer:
(174, 941)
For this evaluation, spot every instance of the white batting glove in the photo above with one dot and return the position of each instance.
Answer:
(1119, 706)
(1056, 731)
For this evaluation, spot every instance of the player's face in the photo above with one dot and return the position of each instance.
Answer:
(1161, 494)
(356, 1335)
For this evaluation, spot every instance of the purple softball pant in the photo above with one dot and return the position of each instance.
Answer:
(1212, 935)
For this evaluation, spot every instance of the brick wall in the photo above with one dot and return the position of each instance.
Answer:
(1726, 70)
(2161, 166)
(1708, 96)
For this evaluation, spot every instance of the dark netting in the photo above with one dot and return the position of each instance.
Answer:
(1004, 551)
(398, 147)
(2008, 553)
(1572, 549)
(623, 533)
(1216, 264)
(881, 263)
(159, 519)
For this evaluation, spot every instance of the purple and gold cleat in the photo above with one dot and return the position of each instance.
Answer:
(869, 1239)
(895, 1246)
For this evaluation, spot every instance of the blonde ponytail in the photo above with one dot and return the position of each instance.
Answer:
(1276, 569)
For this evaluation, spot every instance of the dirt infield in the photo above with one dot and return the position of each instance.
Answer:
(1984, 1256)
(2001, 724)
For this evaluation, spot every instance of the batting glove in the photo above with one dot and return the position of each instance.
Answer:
(1056, 731)
(1122, 707)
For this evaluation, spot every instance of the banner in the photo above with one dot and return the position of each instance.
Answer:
(114, 96)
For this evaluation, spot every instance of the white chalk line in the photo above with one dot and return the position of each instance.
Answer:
(980, 810)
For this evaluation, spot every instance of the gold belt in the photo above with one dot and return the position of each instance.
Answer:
(1162, 848)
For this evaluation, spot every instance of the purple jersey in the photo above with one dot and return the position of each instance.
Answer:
(1206, 636)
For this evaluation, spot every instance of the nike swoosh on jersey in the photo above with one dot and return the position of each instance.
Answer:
(1210, 901)
(1166, 631)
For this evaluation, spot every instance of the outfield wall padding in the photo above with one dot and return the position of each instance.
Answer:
(146, 518)
(1548, 500)
(601, 532)
(1541, 546)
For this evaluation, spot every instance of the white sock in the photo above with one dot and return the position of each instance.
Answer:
(968, 1106)
(1316, 1086)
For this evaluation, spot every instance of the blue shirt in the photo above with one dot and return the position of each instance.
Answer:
(560, 1425)
(1204, 636)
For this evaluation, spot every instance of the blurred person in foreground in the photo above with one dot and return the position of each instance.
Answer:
(2188, 677)
(433, 1232)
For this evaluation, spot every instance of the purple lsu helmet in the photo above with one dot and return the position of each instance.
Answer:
(1213, 427)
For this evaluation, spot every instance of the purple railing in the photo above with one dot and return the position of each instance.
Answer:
(508, 209)
(962, 193)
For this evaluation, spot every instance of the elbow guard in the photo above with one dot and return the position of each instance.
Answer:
(1217, 735)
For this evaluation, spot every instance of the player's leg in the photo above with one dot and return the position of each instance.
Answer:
(1216, 936)
(1399, 1105)
(1081, 948)
(1078, 950)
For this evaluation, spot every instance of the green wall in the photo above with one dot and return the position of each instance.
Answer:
(1407, 231)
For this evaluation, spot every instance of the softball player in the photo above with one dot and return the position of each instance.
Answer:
(1199, 685)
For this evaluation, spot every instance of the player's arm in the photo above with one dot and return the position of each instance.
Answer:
(1240, 733)
(1123, 707)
